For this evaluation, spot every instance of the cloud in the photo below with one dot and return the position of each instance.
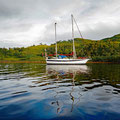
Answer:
(28, 22)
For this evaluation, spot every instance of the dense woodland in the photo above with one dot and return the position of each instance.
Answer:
(105, 50)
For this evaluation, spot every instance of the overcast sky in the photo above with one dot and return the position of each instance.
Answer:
(28, 22)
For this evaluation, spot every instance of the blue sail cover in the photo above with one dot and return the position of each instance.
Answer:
(62, 56)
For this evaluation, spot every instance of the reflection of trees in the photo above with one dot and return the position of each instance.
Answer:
(106, 73)
(29, 68)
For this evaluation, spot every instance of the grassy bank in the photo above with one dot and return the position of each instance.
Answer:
(23, 60)
(112, 59)
(41, 62)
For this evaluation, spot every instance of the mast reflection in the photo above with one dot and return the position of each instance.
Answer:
(60, 72)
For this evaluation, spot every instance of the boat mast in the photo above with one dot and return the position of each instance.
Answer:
(74, 52)
(55, 40)
(45, 53)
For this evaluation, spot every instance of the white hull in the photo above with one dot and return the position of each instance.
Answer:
(66, 61)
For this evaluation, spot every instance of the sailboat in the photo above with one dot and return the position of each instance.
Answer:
(66, 61)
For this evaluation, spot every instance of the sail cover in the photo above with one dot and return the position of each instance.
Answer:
(62, 56)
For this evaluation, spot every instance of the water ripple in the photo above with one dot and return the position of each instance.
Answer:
(35, 91)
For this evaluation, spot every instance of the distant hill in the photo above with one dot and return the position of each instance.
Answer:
(114, 38)
(107, 49)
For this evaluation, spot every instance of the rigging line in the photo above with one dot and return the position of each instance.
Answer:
(78, 28)
(79, 32)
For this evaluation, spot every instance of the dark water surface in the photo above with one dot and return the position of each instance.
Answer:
(40, 92)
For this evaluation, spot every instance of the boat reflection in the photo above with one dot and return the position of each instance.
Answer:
(61, 75)
(63, 69)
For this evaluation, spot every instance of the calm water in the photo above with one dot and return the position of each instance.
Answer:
(40, 92)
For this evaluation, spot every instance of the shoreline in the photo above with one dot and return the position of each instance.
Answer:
(44, 62)
(5, 61)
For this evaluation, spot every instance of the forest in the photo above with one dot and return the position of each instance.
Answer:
(105, 50)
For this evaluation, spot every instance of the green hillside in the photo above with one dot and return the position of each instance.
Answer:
(115, 38)
(105, 50)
